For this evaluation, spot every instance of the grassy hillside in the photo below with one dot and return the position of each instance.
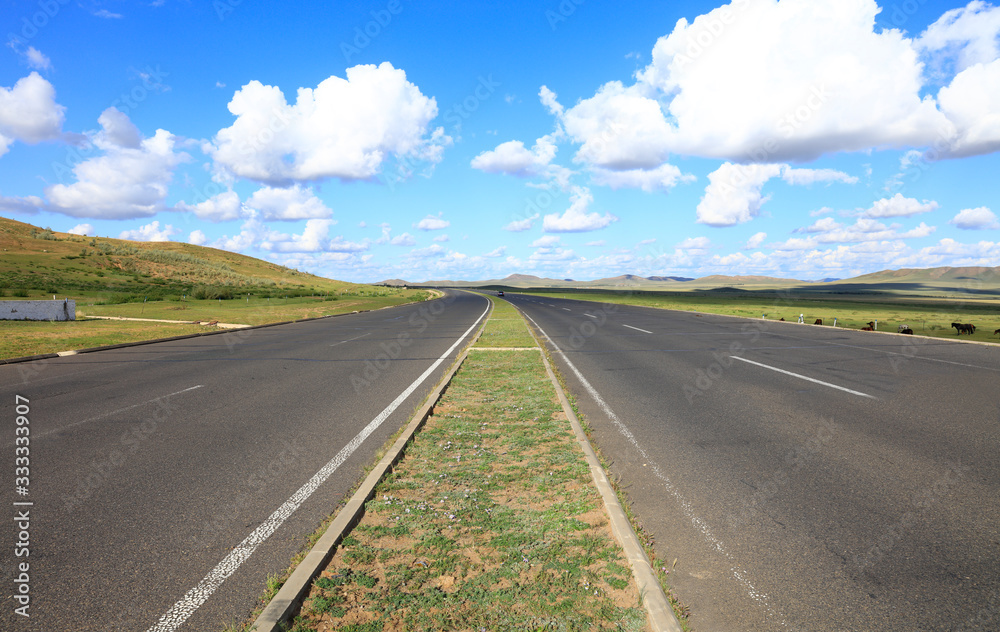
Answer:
(39, 262)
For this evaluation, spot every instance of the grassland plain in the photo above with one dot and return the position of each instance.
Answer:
(489, 522)
(927, 317)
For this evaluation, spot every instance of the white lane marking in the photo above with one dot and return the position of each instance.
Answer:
(567, 309)
(350, 339)
(803, 377)
(637, 329)
(591, 315)
(738, 573)
(115, 412)
(179, 613)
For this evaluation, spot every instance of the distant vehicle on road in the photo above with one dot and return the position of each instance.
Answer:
(500, 293)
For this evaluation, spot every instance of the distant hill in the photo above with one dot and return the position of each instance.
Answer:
(34, 258)
(941, 282)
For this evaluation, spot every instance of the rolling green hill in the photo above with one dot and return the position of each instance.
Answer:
(36, 261)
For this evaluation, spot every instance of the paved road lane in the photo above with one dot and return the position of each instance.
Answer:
(151, 464)
(861, 498)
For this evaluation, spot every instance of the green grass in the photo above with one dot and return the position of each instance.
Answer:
(490, 521)
(21, 338)
(505, 328)
(926, 317)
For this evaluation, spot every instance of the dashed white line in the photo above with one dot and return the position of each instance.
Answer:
(803, 377)
(183, 609)
(115, 412)
(350, 339)
(567, 309)
(591, 315)
(637, 329)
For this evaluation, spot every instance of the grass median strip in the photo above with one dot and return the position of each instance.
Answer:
(490, 521)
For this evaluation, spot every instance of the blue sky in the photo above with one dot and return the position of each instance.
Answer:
(576, 139)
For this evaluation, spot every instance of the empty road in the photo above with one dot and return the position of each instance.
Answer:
(167, 481)
(805, 478)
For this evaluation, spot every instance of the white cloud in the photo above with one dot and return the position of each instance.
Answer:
(980, 218)
(37, 60)
(576, 219)
(291, 203)
(549, 100)
(496, 252)
(546, 241)
(756, 240)
(434, 250)
(968, 34)
(824, 225)
(442, 238)
(406, 239)
(521, 225)
(314, 238)
(899, 206)
(28, 205)
(596, 244)
(197, 238)
(150, 232)
(972, 103)
(694, 243)
(733, 195)
(432, 223)
(81, 229)
(343, 128)
(223, 207)
(129, 180)
(513, 158)
(29, 112)
(662, 178)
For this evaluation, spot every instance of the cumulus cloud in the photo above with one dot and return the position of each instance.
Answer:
(694, 243)
(150, 232)
(734, 192)
(29, 112)
(756, 240)
(980, 218)
(497, 252)
(662, 178)
(513, 158)
(899, 206)
(223, 207)
(972, 103)
(343, 128)
(291, 203)
(966, 35)
(37, 59)
(432, 223)
(129, 180)
(521, 225)
(197, 238)
(576, 219)
(314, 238)
(406, 239)
(81, 229)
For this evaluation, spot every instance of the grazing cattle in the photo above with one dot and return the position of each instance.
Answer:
(819, 321)
(782, 319)
(907, 330)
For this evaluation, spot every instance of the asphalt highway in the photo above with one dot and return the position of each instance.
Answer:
(169, 480)
(805, 478)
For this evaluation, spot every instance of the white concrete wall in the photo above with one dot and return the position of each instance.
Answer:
(38, 310)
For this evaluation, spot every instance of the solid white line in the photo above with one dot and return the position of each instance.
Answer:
(699, 523)
(803, 377)
(637, 329)
(115, 412)
(351, 339)
(179, 613)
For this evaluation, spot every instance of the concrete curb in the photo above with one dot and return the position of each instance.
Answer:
(283, 606)
(122, 345)
(658, 610)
